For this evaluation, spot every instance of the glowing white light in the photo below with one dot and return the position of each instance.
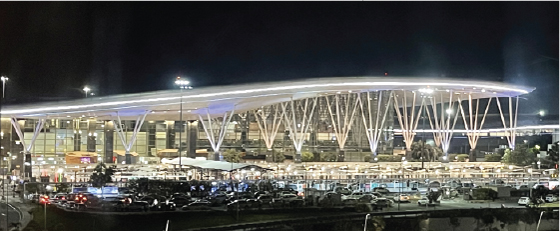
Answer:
(449, 111)
(426, 90)
(542, 113)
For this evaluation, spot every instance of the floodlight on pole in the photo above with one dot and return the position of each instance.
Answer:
(183, 84)
(542, 112)
(4, 79)
(86, 90)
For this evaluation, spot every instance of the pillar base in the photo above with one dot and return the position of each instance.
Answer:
(297, 158)
(373, 158)
(127, 158)
(217, 156)
(472, 155)
(340, 156)
(269, 154)
(445, 159)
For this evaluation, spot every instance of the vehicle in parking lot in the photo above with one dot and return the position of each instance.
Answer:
(382, 202)
(551, 198)
(197, 205)
(138, 206)
(381, 190)
(402, 198)
(425, 201)
(265, 199)
(241, 204)
(180, 201)
(523, 201)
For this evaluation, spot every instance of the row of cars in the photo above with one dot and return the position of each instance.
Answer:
(526, 201)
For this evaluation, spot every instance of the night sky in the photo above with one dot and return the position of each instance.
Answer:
(52, 49)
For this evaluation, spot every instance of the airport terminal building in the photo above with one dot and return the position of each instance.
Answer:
(351, 119)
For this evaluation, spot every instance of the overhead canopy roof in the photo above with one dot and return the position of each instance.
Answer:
(210, 164)
(164, 105)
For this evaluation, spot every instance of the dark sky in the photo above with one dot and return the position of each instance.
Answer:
(53, 49)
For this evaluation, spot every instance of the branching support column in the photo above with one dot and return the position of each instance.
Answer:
(297, 121)
(269, 119)
(216, 136)
(122, 136)
(408, 123)
(26, 169)
(443, 129)
(371, 122)
(473, 129)
(342, 112)
(511, 129)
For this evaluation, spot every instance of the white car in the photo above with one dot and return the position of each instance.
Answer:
(523, 201)
(402, 198)
(551, 198)
(425, 201)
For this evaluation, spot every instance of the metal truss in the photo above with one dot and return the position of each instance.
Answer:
(472, 127)
(512, 128)
(297, 121)
(443, 129)
(216, 135)
(269, 119)
(370, 119)
(122, 136)
(342, 110)
(36, 132)
(408, 123)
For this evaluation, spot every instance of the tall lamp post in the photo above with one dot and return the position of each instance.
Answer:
(4, 79)
(86, 90)
(183, 84)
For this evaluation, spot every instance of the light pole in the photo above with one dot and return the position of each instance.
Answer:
(183, 84)
(86, 90)
(4, 79)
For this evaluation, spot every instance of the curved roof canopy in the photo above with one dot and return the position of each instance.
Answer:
(164, 105)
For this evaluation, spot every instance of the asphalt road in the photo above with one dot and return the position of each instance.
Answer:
(12, 215)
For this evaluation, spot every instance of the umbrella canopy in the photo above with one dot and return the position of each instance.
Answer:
(210, 164)
(123, 152)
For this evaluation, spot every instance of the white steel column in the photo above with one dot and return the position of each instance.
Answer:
(342, 113)
(128, 145)
(297, 121)
(472, 127)
(26, 167)
(443, 129)
(216, 135)
(371, 122)
(408, 123)
(269, 119)
(512, 128)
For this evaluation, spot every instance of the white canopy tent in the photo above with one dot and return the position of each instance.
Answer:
(210, 164)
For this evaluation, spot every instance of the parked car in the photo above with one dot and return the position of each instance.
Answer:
(241, 204)
(138, 206)
(382, 202)
(402, 198)
(551, 198)
(425, 201)
(180, 201)
(197, 205)
(523, 201)
(265, 199)
(381, 190)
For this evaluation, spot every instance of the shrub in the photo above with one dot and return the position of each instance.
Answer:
(493, 158)
(328, 156)
(462, 157)
(388, 158)
(484, 194)
(367, 158)
(363, 208)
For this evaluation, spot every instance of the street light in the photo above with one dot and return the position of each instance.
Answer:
(86, 90)
(4, 79)
(183, 84)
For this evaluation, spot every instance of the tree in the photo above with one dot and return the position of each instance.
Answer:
(426, 151)
(552, 159)
(101, 175)
(307, 156)
(232, 156)
(493, 158)
(278, 157)
(521, 156)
